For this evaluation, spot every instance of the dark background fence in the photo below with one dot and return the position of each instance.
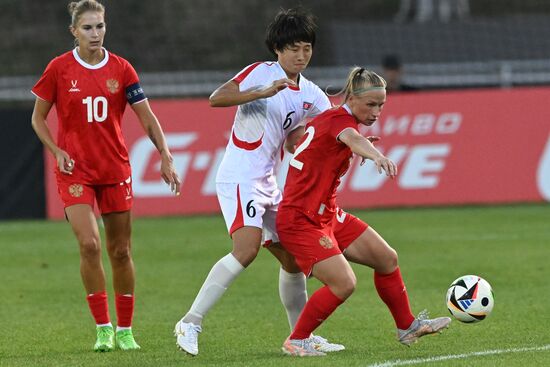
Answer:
(184, 35)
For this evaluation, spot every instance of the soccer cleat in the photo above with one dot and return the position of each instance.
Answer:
(422, 326)
(187, 337)
(105, 339)
(301, 348)
(125, 340)
(323, 345)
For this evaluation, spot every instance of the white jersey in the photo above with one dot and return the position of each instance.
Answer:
(261, 126)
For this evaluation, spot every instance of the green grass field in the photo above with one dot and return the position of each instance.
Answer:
(45, 320)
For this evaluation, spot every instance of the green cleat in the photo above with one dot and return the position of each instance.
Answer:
(105, 339)
(125, 340)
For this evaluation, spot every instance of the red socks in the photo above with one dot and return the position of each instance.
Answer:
(124, 309)
(323, 302)
(99, 307)
(391, 289)
(317, 309)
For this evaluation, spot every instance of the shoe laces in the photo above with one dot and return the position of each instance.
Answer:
(318, 339)
(104, 332)
(125, 336)
(423, 315)
(307, 344)
(191, 332)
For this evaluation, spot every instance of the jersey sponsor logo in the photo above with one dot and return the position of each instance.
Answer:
(76, 190)
(73, 86)
(113, 85)
(326, 242)
(307, 105)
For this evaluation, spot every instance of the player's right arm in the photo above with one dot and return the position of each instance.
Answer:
(229, 93)
(40, 126)
(363, 147)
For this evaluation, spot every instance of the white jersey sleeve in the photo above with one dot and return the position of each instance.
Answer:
(254, 76)
(321, 103)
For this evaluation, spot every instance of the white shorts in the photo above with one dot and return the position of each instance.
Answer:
(250, 205)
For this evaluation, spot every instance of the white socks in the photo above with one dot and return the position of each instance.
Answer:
(222, 274)
(293, 293)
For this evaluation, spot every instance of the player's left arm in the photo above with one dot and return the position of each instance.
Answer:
(152, 127)
(364, 147)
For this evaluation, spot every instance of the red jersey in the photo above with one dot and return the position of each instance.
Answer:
(90, 101)
(319, 162)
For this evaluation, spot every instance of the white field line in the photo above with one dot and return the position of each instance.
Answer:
(408, 362)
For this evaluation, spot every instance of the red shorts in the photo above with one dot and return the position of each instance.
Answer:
(110, 198)
(310, 242)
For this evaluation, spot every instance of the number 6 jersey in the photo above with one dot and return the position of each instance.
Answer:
(90, 101)
(261, 126)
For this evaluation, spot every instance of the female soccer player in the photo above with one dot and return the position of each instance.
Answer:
(273, 99)
(90, 88)
(322, 237)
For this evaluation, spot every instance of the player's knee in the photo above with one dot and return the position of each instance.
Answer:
(90, 247)
(345, 287)
(245, 255)
(391, 259)
(120, 251)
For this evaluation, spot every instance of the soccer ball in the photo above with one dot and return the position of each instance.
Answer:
(470, 298)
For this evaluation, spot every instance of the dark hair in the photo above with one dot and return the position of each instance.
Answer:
(288, 27)
(391, 62)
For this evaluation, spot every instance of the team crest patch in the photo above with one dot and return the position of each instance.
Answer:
(76, 190)
(325, 242)
(112, 85)
(307, 105)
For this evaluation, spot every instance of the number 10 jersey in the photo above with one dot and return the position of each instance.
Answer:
(90, 101)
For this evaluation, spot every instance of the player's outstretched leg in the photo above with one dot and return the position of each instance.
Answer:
(105, 339)
(421, 326)
(187, 337)
(301, 348)
(125, 340)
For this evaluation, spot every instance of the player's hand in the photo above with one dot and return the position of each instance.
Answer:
(277, 86)
(386, 165)
(169, 174)
(373, 139)
(64, 162)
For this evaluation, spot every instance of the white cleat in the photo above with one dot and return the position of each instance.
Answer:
(323, 345)
(300, 348)
(421, 326)
(187, 337)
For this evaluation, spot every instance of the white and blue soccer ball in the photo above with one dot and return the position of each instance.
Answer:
(470, 298)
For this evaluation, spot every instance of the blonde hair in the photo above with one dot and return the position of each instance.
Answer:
(76, 9)
(360, 81)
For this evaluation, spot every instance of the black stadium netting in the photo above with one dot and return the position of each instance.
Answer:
(186, 48)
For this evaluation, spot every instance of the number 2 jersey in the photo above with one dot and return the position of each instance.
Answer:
(90, 101)
(261, 126)
(319, 162)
